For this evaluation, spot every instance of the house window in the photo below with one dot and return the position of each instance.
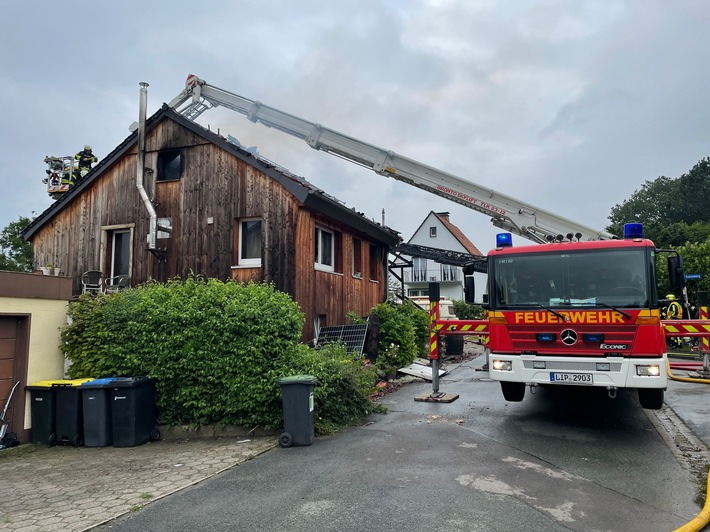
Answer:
(449, 272)
(418, 269)
(357, 258)
(116, 255)
(374, 263)
(169, 165)
(249, 242)
(432, 232)
(325, 250)
(120, 252)
(318, 322)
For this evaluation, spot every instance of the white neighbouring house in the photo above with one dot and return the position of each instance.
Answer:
(437, 231)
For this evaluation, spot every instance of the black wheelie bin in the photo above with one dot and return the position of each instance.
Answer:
(133, 411)
(297, 397)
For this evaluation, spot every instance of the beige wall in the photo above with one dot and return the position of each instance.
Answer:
(42, 301)
(46, 361)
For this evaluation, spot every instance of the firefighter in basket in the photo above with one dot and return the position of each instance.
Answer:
(85, 159)
(674, 311)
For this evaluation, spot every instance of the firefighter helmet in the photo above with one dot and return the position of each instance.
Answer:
(670, 296)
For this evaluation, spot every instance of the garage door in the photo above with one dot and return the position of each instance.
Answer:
(8, 352)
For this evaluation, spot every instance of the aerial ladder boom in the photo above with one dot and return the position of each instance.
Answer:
(506, 212)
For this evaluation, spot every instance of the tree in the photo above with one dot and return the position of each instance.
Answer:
(673, 211)
(15, 252)
(676, 215)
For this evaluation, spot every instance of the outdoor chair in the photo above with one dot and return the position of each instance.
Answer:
(92, 281)
(116, 283)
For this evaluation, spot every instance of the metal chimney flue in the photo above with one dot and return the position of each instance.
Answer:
(140, 165)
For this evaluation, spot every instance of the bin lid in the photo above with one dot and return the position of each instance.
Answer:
(57, 382)
(299, 379)
(99, 383)
(129, 382)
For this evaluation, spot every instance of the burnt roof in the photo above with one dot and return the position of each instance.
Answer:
(307, 193)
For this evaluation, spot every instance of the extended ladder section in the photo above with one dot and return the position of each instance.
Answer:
(506, 212)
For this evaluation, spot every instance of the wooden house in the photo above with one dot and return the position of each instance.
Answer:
(232, 214)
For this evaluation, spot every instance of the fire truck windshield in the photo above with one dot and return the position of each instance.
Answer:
(571, 278)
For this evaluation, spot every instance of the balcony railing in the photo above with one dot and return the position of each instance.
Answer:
(442, 274)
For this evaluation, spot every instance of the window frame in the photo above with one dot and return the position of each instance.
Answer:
(249, 262)
(163, 164)
(357, 258)
(318, 245)
(374, 269)
(107, 253)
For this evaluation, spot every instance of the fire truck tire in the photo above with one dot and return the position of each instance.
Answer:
(513, 391)
(651, 398)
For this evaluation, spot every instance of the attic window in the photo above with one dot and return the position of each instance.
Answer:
(169, 165)
(432, 232)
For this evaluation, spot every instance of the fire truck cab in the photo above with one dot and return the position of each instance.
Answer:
(577, 313)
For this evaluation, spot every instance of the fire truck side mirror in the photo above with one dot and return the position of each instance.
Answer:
(469, 287)
(676, 274)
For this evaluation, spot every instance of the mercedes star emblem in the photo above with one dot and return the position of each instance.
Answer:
(568, 337)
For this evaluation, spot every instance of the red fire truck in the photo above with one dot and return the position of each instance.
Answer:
(578, 313)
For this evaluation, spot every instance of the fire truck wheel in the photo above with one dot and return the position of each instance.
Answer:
(651, 398)
(513, 391)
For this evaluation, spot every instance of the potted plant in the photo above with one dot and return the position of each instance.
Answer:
(49, 269)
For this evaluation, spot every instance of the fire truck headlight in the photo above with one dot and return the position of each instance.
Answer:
(502, 365)
(653, 370)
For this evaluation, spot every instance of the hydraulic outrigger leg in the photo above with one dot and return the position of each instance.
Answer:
(435, 396)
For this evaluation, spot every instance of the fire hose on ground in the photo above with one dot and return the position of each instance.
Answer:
(703, 518)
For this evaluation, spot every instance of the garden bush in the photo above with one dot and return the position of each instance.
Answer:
(467, 311)
(342, 395)
(404, 334)
(216, 351)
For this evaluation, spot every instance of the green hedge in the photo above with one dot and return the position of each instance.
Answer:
(216, 351)
(404, 334)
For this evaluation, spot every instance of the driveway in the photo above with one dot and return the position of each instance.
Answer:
(560, 460)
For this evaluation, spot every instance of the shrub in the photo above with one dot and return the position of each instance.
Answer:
(466, 311)
(215, 350)
(404, 334)
(342, 395)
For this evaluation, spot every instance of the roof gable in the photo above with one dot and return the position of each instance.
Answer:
(305, 192)
(457, 233)
(459, 236)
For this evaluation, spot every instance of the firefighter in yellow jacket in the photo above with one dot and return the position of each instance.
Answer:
(674, 311)
(85, 158)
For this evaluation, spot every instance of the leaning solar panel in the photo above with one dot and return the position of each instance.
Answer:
(353, 336)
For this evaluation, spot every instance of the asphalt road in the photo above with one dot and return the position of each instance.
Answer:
(560, 460)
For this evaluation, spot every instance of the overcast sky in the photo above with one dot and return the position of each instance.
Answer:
(567, 105)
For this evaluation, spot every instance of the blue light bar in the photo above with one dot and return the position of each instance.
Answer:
(504, 240)
(634, 230)
(545, 337)
(593, 338)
